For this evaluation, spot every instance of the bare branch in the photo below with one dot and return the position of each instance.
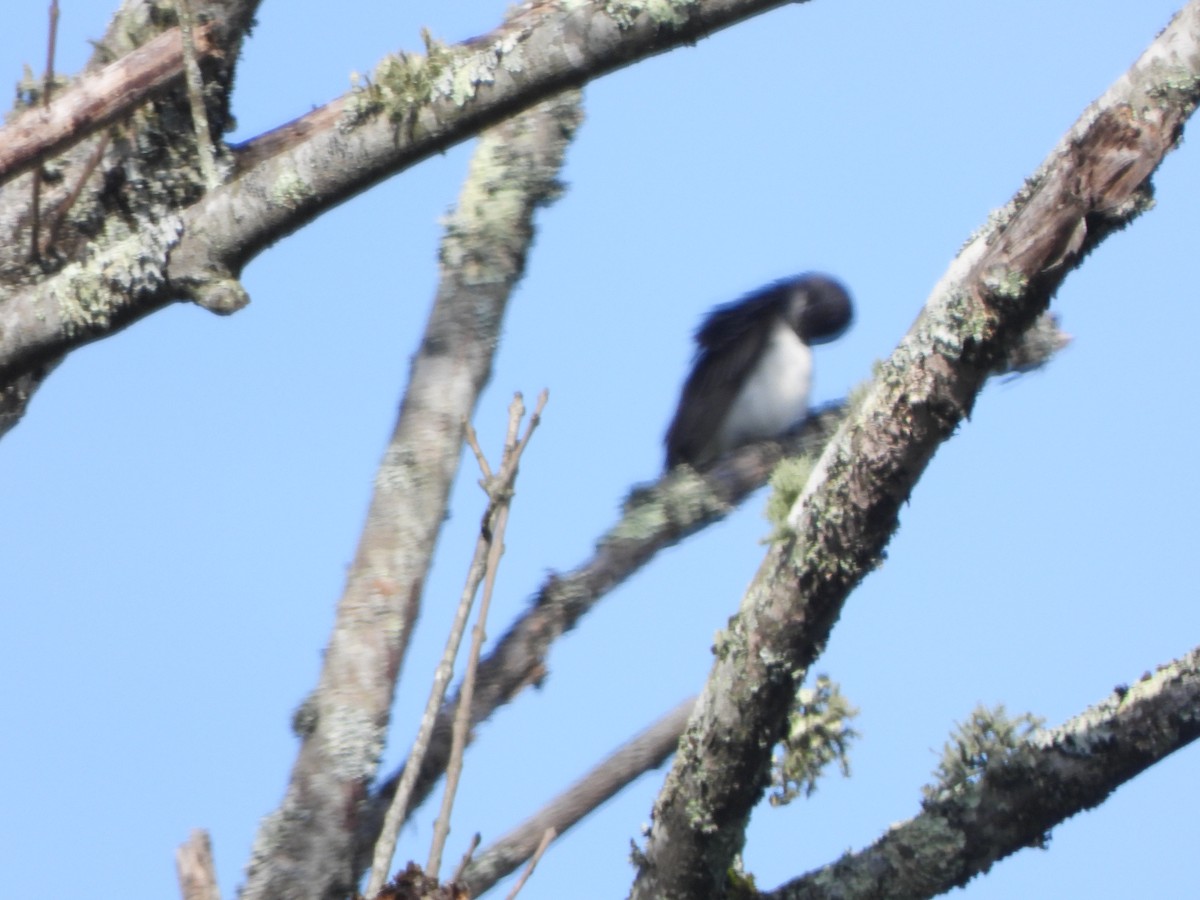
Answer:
(466, 859)
(644, 752)
(1096, 180)
(499, 489)
(197, 873)
(96, 100)
(655, 517)
(966, 828)
(415, 107)
(488, 550)
(310, 847)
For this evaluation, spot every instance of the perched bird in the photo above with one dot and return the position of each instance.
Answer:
(753, 367)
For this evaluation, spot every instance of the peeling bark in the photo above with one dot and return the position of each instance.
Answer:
(1095, 182)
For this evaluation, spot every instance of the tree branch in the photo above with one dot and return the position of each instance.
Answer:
(681, 503)
(1095, 182)
(655, 517)
(307, 848)
(97, 99)
(966, 828)
(642, 753)
(489, 546)
(94, 291)
(415, 107)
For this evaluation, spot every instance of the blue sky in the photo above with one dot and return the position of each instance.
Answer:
(182, 500)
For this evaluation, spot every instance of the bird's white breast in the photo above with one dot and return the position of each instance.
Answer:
(774, 396)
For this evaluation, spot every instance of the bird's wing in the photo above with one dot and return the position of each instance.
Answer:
(731, 340)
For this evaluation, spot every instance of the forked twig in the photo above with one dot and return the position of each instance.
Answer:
(499, 490)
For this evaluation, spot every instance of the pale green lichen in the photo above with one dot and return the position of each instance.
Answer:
(739, 883)
(353, 742)
(819, 733)
(640, 522)
(401, 84)
(90, 294)
(661, 13)
(982, 744)
(1173, 82)
(787, 482)
(700, 818)
(463, 75)
(1005, 283)
(290, 190)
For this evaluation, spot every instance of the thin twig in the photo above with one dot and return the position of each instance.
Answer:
(546, 839)
(473, 442)
(47, 87)
(500, 495)
(194, 863)
(645, 751)
(195, 91)
(466, 858)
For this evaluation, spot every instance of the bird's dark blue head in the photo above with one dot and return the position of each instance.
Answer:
(817, 306)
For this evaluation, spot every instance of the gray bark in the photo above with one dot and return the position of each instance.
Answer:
(308, 847)
(965, 828)
(1095, 182)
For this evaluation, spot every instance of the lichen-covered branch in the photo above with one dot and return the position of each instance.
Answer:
(113, 197)
(307, 848)
(96, 100)
(654, 518)
(1095, 182)
(1019, 795)
(645, 751)
(489, 546)
(414, 106)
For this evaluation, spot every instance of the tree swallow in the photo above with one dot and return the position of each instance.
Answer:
(753, 367)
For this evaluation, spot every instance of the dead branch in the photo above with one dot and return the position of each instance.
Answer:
(645, 751)
(549, 836)
(654, 518)
(487, 556)
(97, 99)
